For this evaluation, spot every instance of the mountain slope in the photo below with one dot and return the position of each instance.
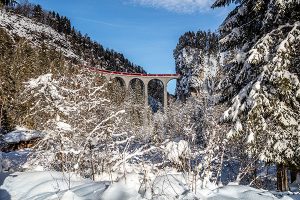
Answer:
(43, 27)
(36, 33)
(29, 48)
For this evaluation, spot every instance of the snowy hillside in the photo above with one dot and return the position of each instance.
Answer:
(36, 33)
(41, 27)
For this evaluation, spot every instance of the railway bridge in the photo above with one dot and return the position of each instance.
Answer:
(145, 78)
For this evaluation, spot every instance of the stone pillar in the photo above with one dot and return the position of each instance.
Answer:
(127, 83)
(145, 120)
(146, 92)
(127, 88)
(165, 94)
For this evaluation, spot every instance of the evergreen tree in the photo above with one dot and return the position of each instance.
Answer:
(8, 2)
(82, 45)
(220, 3)
(38, 13)
(260, 39)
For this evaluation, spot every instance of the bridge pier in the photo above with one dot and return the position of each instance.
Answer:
(127, 83)
(165, 94)
(146, 92)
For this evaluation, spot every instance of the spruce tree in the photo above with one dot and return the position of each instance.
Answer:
(260, 40)
(38, 13)
(8, 2)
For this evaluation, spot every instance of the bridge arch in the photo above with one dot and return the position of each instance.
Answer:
(117, 89)
(136, 90)
(156, 94)
(143, 79)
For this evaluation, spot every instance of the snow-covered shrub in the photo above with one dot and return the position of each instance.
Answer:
(192, 138)
(178, 153)
(182, 120)
(79, 122)
(87, 133)
(170, 186)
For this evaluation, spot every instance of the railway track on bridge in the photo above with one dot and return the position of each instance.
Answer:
(102, 71)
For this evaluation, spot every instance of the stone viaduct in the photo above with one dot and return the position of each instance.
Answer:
(145, 78)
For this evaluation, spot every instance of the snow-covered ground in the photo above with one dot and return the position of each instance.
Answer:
(49, 185)
(137, 182)
(24, 27)
(13, 161)
(21, 134)
(55, 185)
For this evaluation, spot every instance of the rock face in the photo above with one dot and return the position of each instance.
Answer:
(197, 60)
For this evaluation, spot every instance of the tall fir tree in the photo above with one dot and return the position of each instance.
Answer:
(38, 13)
(8, 2)
(260, 42)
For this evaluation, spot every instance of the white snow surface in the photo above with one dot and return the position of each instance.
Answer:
(231, 192)
(64, 126)
(24, 27)
(48, 185)
(14, 160)
(21, 135)
(177, 150)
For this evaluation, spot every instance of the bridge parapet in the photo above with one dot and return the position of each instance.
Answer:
(102, 71)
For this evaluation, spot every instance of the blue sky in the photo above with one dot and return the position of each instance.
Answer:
(145, 31)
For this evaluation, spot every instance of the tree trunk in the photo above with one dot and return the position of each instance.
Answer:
(282, 179)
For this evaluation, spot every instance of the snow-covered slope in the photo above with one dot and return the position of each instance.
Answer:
(36, 33)
(49, 185)
(56, 32)
(54, 185)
